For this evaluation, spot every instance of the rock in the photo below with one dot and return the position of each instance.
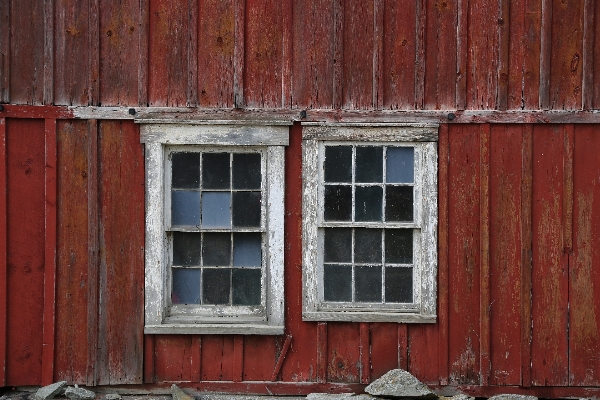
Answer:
(512, 397)
(399, 383)
(179, 394)
(48, 392)
(112, 396)
(329, 396)
(78, 393)
(462, 397)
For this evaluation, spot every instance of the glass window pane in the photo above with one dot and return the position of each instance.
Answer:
(246, 209)
(216, 211)
(186, 248)
(337, 282)
(186, 286)
(338, 203)
(185, 170)
(215, 285)
(246, 287)
(400, 165)
(215, 171)
(399, 246)
(216, 249)
(246, 171)
(247, 249)
(338, 244)
(398, 285)
(338, 164)
(367, 245)
(185, 207)
(367, 283)
(399, 203)
(369, 164)
(368, 203)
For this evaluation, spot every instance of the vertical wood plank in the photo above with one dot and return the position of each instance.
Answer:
(5, 51)
(287, 53)
(268, 350)
(420, 40)
(313, 58)
(48, 52)
(196, 367)
(217, 358)
(322, 352)
(173, 358)
(526, 254)
(143, 39)
(343, 353)
(385, 348)
(94, 53)
(503, 74)
(443, 255)
(584, 302)
(192, 43)
(25, 148)
(567, 208)
(423, 342)
(550, 264)
(403, 346)
(462, 46)
(121, 203)
(50, 231)
(378, 26)
(365, 353)
(238, 358)
(149, 363)
(216, 47)
(587, 72)
(545, 54)
(506, 170)
(484, 249)
(338, 53)
(596, 52)
(3, 253)
(93, 258)
(239, 49)
(263, 54)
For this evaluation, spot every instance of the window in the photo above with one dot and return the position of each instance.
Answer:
(369, 223)
(214, 228)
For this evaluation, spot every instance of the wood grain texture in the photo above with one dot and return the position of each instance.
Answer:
(5, 51)
(550, 265)
(238, 358)
(502, 77)
(3, 253)
(216, 43)
(587, 67)
(343, 353)
(423, 341)
(596, 72)
(25, 148)
(545, 54)
(192, 43)
(259, 347)
(484, 251)
(121, 306)
(173, 358)
(217, 358)
(364, 366)
(48, 52)
(385, 348)
(263, 53)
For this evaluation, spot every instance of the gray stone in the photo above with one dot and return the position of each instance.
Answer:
(462, 397)
(48, 392)
(513, 397)
(399, 383)
(329, 396)
(78, 393)
(179, 394)
(112, 396)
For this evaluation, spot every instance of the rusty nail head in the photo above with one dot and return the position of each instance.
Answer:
(132, 111)
(451, 116)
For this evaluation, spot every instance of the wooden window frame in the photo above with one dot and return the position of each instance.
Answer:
(161, 138)
(424, 138)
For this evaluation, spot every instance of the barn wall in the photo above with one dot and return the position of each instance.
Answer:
(317, 54)
(519, 216)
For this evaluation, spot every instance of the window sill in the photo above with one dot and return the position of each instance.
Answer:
(214, 329)
(367, 316)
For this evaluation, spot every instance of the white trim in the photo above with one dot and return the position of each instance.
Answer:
(214, 135)
(423, 139)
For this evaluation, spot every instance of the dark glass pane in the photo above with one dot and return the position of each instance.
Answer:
(400, 167)
(369, 164)
(399, 246)
(338, 245)
(185, 207)
(186, 248)
(186, 286)
(215, 285)
(399, 203)
(337, 282)
(247, 249)
(338, 203)
(368, 203)
(338, 164)
(246, 209)
(246, 171)
(216, 249)
(398, 285)
(216, 210)
(367, 245)
(367, 283)
(246, 287)
(215, 171)
(185, 170)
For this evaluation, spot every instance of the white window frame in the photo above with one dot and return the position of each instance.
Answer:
(161, 138)
(424, 138)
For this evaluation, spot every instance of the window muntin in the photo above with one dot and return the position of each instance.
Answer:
(369, 223)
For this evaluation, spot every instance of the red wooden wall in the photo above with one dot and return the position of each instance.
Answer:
(519, 204)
